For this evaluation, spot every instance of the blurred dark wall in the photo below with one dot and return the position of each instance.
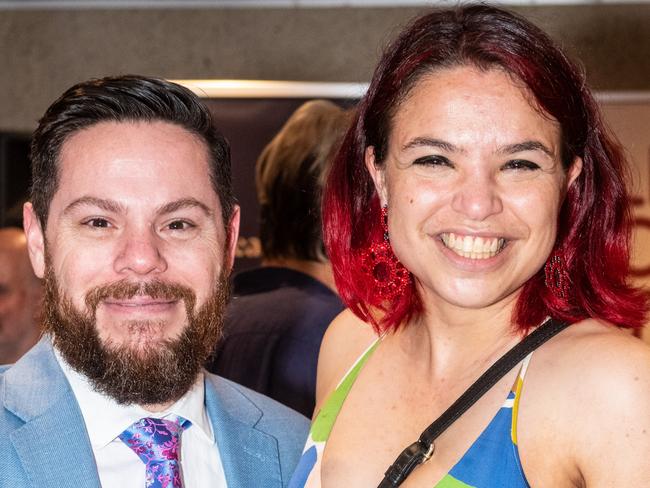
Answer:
(15, 174)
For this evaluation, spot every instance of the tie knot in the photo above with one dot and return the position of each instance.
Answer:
(156, 442)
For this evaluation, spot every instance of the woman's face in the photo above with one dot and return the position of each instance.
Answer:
(474, 182)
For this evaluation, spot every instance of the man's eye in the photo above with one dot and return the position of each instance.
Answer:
(180, 225)
(433, 161)
(521, 164)
(98, 223)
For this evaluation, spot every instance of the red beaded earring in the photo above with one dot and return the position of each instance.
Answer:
(556, 277)
(389, 277)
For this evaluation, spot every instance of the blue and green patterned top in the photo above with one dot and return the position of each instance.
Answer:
(491, 462)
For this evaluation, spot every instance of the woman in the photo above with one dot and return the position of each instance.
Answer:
(479, 163)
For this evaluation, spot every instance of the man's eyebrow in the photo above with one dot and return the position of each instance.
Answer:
(184, 203)
(526, 146)
(429, 142)
(104, 204)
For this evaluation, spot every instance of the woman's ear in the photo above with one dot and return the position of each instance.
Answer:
(377, 174)
(574, 171)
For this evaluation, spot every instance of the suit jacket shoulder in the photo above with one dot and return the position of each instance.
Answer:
(260, 440)
(41, 426)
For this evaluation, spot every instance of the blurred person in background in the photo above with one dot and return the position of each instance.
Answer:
(20, 296)
(275, 323)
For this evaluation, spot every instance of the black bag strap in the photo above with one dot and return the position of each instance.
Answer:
(422, 449)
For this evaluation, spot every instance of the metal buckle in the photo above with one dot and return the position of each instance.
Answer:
(429, 453)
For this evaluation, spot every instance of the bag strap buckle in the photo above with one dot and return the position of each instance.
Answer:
(429, 453)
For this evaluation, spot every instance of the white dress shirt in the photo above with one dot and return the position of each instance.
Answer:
(117, 464)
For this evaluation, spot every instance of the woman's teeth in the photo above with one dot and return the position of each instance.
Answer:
(473, 247)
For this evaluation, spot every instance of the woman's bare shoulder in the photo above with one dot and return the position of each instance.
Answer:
(596, 347)
(592, 357)
(590, 387)
(346, 338)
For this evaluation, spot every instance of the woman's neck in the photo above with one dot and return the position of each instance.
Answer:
(449, 339)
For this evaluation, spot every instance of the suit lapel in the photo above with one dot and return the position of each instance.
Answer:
(55, 451)
(54, 448)
(52, 445)
(250, 457)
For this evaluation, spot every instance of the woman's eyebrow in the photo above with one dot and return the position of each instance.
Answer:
(526, 146)
(430, 142)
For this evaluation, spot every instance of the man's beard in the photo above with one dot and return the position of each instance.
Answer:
(142, 374)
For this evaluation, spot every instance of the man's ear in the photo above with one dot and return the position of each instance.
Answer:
(35, 239)
(377, 174)
(233, 234)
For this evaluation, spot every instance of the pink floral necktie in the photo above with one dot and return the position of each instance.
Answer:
(156, 442)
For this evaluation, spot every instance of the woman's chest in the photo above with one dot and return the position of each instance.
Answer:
(376, 424)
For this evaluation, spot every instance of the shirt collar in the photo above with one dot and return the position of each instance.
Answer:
(106, 419)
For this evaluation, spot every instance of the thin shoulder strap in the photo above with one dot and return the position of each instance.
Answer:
(422, 449)
(519, 384)
(360, 361)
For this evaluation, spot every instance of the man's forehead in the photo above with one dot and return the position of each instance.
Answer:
(159, 154)
(112, 133)
(133, 168)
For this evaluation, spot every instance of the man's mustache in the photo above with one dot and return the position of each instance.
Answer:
(125, 289)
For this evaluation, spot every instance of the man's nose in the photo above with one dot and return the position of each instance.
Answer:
(140, 252)
(477, 197)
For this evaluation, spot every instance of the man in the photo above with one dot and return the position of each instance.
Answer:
(20, 295)
(275, 324)
(132, 223)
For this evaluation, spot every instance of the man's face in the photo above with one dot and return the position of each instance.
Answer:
(135, 240)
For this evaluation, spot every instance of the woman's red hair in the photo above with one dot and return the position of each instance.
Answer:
(594, 224)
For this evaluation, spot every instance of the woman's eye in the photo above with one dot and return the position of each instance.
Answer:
(98, 223)
(521, 164)
(432, 161)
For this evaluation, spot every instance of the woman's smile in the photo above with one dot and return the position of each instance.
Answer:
(473, 247)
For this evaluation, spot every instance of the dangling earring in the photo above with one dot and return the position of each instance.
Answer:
(389, 277)
(556, 277)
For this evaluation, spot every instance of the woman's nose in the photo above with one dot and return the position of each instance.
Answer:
(477, 197)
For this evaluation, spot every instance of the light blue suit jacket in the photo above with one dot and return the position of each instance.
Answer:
(44, 443)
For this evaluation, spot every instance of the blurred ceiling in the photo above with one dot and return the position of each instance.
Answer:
(75, 4)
